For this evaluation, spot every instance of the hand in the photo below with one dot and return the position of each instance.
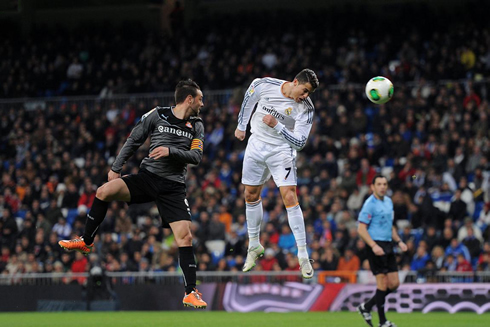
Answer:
(113, 175)
(270, 120)
(159, 152)
(240, 134)
(403, 246)
(378, 250)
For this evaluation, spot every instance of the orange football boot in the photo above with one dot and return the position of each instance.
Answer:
(77, 244)
(194, 300)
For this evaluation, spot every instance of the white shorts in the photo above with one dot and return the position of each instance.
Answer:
(263, 160)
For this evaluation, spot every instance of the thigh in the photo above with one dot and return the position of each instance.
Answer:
(141, 188)
(377, 263)
(255, 171)
(172, 203)
(282, 166)
(115, 190)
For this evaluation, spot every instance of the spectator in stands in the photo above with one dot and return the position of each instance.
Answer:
(269, 260)
(349, 261)
(438, 257)
(456, 248)
(420, 259)
(472, 243)
(462, 264)
(458, 209)
(329, 260)
(463, 232)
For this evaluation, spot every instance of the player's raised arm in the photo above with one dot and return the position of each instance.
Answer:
(252, 96)
(138, 136)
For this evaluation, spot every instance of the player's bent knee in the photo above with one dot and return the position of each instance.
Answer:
(252, 194)
(103, 193)
(185, 240)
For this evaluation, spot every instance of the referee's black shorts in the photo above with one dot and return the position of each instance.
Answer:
(385, 263)
(169, 196)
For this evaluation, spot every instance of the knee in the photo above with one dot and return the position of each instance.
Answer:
(289, 198)
(251, 195)
(393, 285)
(184, 240)
(103, 193)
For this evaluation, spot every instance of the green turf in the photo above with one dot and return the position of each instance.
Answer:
(225, 319)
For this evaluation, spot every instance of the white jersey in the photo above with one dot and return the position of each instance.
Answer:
(294, 119)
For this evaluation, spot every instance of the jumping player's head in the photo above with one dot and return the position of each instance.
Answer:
(304, 84)
(189, 94)
(379, 186)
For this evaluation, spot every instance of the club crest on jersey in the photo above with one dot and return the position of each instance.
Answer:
(289, 110)
(188, 124)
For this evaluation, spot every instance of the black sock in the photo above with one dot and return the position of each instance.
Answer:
(372, 301)
(94, 219)
(380, 304)
(189, 267)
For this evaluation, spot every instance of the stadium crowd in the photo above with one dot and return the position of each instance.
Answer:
(431, 141)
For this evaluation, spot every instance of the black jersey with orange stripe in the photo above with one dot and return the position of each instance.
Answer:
(184, 138)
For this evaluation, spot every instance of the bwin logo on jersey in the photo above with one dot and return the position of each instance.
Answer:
(288, 111)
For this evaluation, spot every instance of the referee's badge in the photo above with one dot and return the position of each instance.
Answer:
(289, 110)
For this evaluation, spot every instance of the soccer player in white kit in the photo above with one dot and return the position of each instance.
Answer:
(280, 126)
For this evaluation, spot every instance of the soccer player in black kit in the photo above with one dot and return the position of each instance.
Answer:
(177, 136)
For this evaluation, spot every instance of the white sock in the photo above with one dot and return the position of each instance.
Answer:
(297, 224)
(254, 213)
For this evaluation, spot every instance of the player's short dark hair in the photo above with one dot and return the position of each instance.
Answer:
(378, 176)
(308, 76)
(185, 88)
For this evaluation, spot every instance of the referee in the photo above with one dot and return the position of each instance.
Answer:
(377, 230)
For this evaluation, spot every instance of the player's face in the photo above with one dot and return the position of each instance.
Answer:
(197, 103)
(301, 91)
(380, 187)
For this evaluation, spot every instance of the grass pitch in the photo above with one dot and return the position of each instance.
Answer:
(225, 319)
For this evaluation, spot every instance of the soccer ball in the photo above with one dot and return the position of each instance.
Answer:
(379, 90)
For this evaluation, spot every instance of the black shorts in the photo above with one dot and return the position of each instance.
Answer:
(385, 263)
(169, 196)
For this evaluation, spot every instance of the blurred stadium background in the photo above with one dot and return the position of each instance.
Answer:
(77, 76)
